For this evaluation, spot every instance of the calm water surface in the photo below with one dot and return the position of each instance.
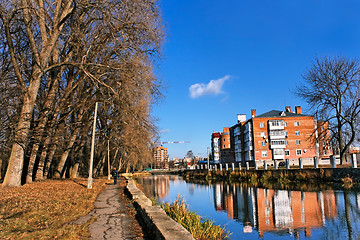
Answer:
(258, 213)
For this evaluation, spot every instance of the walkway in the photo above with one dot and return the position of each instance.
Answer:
(115, 215)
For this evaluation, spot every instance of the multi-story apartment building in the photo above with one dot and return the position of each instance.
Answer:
(215, 146)
(277, 135)
(237, 140)
(323, 144)
(226, 150)
(161, 157)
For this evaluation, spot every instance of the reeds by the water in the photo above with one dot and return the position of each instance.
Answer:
(200, 228)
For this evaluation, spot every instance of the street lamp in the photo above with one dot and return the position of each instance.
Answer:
(90, 179)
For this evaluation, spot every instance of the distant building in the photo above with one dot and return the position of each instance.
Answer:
(215, 146)
(226, 150)
(161, 157)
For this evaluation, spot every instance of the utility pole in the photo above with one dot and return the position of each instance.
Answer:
(108, 160)
(90, 179)
(208, 158)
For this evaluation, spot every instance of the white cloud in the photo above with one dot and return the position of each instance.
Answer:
(214, 87)
(165, 130)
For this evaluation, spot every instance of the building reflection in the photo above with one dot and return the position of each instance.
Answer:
(155, 186)
(269, 210)
(336, 214)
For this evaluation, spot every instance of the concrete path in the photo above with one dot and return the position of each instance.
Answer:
(113, 219)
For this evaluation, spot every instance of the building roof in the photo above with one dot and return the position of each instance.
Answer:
(276, 113)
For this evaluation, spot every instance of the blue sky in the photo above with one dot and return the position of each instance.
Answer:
(223, 58)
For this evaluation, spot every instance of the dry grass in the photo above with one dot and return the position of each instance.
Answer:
(201, 229)
(45, 210)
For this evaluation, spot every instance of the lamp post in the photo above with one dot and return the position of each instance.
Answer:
(90, 179)
(208, 160)
(108, 152)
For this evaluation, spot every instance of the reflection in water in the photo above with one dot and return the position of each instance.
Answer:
(155, 186)
(327, 214)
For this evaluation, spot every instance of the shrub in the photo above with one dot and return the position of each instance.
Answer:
(347, 182)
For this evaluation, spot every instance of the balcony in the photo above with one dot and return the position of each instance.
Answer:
(277, 144)
(276, 124)
(278, 153)
(277, 134)
(277, 157)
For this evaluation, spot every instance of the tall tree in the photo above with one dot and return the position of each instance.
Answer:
(331, 87)
(59, 58)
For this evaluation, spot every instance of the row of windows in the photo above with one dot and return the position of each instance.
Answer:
(281, 152)
(279, 142)
(279, 123)
(278, 133)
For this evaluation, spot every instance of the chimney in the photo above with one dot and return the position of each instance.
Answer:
(241, 118)
(298, 109)
(253, 113)
(288, 109)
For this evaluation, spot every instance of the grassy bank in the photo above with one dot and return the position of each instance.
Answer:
(200, 228)
(45, 210)
(347, 177)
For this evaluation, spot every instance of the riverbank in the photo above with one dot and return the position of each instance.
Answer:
(158, 223)
(347, 177)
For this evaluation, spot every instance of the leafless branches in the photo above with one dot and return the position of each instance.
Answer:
(332, 89)
(59, 57)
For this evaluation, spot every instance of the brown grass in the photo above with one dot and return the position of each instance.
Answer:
(45, 210)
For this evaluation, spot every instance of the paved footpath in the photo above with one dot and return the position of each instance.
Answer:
(114, 220)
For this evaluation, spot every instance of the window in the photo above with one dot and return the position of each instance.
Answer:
(263, 143)
(297, 133)
(278, 142)
(278, 151)
(262, 134)
(276, 122)
(264, 153)
(277, 133)
(296, 124)
(262, 125)
(285, 124)
(325, 152)
(298, 142)
(287, 152)
(298, 152)
(286, 142)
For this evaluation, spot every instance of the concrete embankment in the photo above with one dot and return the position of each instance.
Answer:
(161, 225)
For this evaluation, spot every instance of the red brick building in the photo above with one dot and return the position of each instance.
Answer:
(280, 135)
(226, 150)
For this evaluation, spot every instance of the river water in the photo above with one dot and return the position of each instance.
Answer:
(260, 213)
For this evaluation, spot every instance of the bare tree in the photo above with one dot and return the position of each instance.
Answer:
(332, 89)
(59, 57)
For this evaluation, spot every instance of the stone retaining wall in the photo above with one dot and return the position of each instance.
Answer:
(162, 225)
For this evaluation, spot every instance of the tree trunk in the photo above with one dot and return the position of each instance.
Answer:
(50, 158)
(16, 161)
(42, 165)
(39, 131)
(59, 168)
(74, 170)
